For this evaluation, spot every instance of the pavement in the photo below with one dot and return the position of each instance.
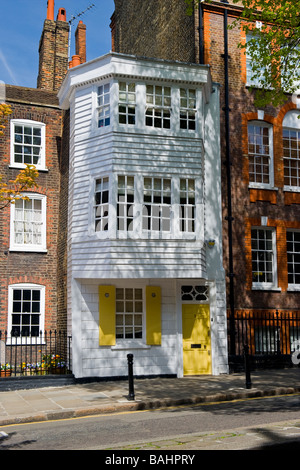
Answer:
(58, 399)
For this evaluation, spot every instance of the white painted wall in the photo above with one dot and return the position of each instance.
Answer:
(107, 258)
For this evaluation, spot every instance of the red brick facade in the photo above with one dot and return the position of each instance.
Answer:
(33, 267)
(21, 266)
(249, 204)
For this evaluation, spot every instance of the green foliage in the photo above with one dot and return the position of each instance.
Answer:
(274, 48)
(274, 27)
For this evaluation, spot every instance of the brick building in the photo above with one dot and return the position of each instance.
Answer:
(262, 206)
(33, 231)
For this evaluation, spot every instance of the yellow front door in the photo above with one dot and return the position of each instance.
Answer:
(196, 339)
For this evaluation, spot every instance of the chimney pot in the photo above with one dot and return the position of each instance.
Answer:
(50, 10)
(75, 60)
(62, 15)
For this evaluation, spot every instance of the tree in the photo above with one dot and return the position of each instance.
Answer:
(26, 179)
(5, 110)
(274, 46)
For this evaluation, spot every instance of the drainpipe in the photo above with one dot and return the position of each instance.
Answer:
(201, 45)
(229, 217)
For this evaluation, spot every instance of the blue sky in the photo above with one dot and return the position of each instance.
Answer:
(21, 28)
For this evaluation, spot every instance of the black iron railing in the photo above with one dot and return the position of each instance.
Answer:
(271, 337)
(48, 353)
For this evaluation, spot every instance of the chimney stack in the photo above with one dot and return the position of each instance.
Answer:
(53, 50)
(80, 41)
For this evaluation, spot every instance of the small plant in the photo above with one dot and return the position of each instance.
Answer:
(5, 366)
(52, 361)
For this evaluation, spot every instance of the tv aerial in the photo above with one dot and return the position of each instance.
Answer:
(71, 21)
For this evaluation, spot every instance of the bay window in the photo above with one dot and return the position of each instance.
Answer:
(146, 205)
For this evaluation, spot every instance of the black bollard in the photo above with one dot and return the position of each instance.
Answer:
(130, 376)
(247, 366)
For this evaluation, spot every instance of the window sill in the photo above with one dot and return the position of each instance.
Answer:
(22, 167)
(28, 250)
(267, 288)
(291, 189)
(261, 186)
(293, 289)
(130, 345)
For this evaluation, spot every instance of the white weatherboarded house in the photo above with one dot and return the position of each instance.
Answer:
(145, 272)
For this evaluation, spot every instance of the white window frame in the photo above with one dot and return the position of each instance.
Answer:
(291, 160)
(159, 211)
(188, 113)
(149, 113)
(291, 123)
(264, 285)
(102, 205)
(260, 155)
(135, 211)
(156, 108)
(27, 286)
(187, 215)
(126, 208)
(127, 100)
(249, 73)
(28, 247)
(130, 312)
(27, 123)
(293, 253)
(104, 104)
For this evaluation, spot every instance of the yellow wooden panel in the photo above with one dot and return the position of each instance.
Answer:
(153, 315)
(107, 315)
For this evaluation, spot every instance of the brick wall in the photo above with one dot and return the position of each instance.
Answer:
(19, 266)
(156, 28)
(145, 29)
(250, 204)
(53, 55)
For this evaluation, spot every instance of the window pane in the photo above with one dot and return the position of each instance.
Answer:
(129, 319)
